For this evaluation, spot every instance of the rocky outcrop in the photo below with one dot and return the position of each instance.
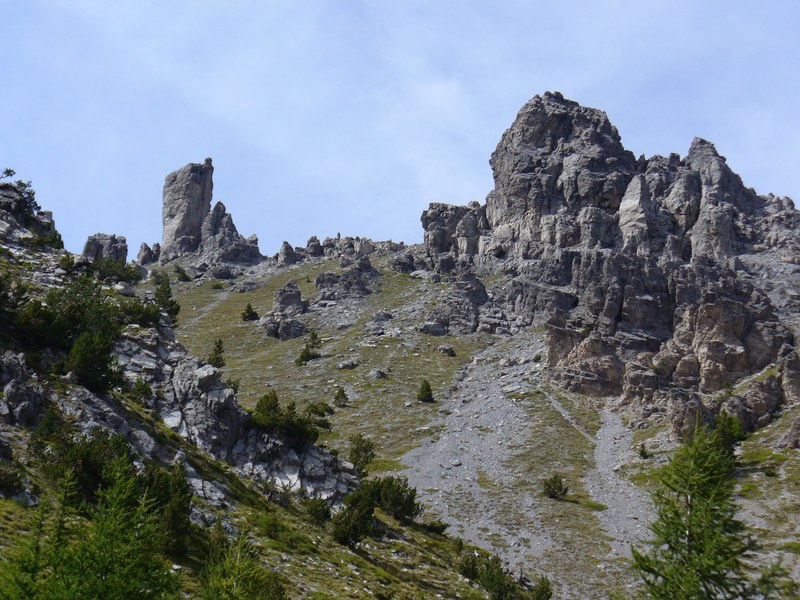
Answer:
(282, 322)
(655, 277)
(147, 255)
(23, 397)
(192, 399)
(191, 226)
(107, 247)
(20, 216)
(357, 279)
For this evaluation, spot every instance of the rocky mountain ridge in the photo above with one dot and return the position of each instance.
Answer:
(591, 288)
(648, 273)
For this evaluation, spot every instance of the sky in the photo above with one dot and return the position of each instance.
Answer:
(351, 116)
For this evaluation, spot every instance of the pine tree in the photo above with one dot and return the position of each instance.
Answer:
(232, 571)
(699, 548)
(217, 356)
(362, 452)
(165, 301)
(249, 313)
(425, 394)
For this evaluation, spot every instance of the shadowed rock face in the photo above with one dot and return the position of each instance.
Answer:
(190, 224)
(658, 278)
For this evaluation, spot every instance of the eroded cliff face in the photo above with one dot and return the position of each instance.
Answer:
(657, 278)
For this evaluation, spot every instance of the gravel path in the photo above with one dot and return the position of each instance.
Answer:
(464, 476)
(629, 512)
(482, 428)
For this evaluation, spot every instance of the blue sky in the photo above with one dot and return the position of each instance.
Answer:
(351, 116)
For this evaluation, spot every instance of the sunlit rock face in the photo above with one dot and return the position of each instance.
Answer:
(664, 279)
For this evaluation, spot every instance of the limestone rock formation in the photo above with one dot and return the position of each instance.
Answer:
(282, 322)
(147, 255)
(109, 247)
(656, 277)
(191, 226)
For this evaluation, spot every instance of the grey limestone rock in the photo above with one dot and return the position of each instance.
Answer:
(109, 247)
(657, 278)
(186, 202)
(147, 255)
(287, 255)
(191, 226)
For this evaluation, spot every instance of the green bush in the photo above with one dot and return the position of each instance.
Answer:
(362, 452)
(495, 579)
(91, 361)
(10, 478)
(172, 501)
(313, 339)
(542, 590)
(468, 564)
(355, 519)
(133, 310)
(298, 429)
(396, 498)
(306, 355)
(249, 313)
(318, 413)
(554, 487)
(318, 510)
(425, 394)
(181, 273)
(340, 399)
(140, 391)
(115, 270)
(436, 526)
(233, 571)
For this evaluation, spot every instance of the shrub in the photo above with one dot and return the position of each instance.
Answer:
(644, 453)
(340, 399)
(298, 429)
(313, 339)
(425, 394)
(233, 570)
(317, 412)
(233, 384)
(217, 356)
(436, 526)
(397, 498)
(90, 359)
(468, 565)
(495, 579)
(362, 452)
(317, 510)
(141, 391)
(115, 270)
(181, 273)
(249, 313)
(355, 520)
(172, 501)
(133, 310)
(10, 479)
(554, 487)
(542, 589)
(306, 355)
(217, 285)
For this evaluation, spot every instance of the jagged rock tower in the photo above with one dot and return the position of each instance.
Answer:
(192, 226)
